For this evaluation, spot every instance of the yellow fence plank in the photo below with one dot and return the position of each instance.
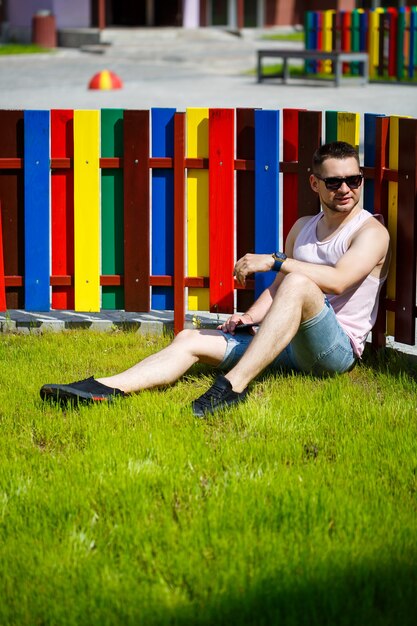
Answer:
(392, 215)
(198, 207)
(328, 37)
(87, 210)
(348, 128)
(374, 41)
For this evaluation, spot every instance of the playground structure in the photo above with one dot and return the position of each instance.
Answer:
(137, 210)
(389, 36)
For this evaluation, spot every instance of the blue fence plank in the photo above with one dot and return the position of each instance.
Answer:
(412, 42)
(369, 160)
(162, 207)
(36, 203)
(363, 31)
(266, 190)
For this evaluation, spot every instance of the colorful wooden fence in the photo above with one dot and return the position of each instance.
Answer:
(388, 35)
(136, 210)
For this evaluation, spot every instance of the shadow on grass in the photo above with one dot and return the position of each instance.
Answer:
(390, 361)
(366, 594)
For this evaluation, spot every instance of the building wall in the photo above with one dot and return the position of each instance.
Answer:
(289, 12)
(20, 12)
(72, 13)
(68, 13)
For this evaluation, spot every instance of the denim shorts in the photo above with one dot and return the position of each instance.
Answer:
(320, 347)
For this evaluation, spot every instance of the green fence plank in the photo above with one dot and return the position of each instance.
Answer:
(112, 207)
(331, 126)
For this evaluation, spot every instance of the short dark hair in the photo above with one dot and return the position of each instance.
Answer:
(334, 150)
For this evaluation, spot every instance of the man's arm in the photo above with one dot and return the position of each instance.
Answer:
(367, 250)
(256, 313)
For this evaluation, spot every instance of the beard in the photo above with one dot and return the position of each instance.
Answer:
(336, 208)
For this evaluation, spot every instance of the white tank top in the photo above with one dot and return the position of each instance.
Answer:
(356, 308)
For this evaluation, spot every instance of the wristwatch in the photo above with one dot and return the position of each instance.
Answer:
(279, 258)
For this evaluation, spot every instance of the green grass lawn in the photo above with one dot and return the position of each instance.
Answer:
(298, 507)
(14, 48)
(296, 36)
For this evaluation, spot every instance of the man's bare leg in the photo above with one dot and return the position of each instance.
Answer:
(298, 299)
(168, 365)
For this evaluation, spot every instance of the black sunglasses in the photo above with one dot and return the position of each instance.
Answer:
(335, 182)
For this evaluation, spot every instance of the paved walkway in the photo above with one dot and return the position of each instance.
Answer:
(180, 68)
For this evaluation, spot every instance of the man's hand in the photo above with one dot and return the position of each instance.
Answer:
(251, 263)
(229, 326)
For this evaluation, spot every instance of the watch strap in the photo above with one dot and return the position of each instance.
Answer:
(279, 258)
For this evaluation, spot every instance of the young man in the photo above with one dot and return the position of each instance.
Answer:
(315, 316)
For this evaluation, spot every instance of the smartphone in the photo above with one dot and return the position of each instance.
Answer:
(244, 328)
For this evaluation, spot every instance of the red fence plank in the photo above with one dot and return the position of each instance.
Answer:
(221, 209)
(136, 210)
(245, 193)
(11, 195)
(62, 206)
(392, 45)
(179, 221)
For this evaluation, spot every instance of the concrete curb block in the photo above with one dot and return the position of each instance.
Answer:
(153, 323)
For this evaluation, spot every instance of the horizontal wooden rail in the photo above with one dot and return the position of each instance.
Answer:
(157, 281)
(245, 165)
(116, 280)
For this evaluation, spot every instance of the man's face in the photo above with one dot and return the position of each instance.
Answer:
(343, 199)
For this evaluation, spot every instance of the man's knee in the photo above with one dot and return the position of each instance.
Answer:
(195, 337)
(186, 335)
(299, 283)
(303, 291)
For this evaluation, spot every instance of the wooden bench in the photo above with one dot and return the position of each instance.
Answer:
(338, 58)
